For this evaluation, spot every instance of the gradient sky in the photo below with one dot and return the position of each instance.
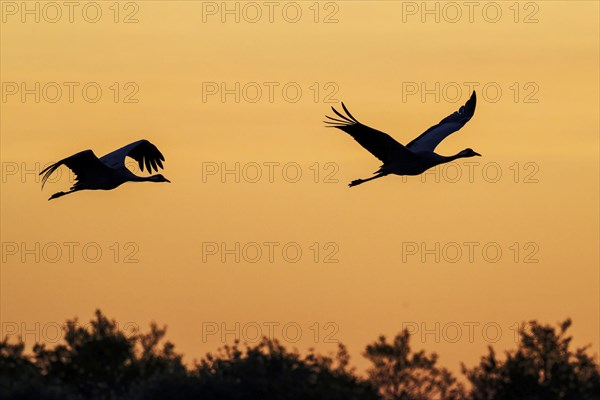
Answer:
(540, 133)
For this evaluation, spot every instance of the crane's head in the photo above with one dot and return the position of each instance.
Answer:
(158, 178)
(469, 153)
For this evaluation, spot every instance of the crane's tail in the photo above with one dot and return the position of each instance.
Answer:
(49, 170)
(343, 120)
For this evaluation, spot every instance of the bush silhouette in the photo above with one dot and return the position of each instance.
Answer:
(400, 374)
(102, 362)
(542, 368)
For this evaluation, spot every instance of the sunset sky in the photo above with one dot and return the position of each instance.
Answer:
(418, 252)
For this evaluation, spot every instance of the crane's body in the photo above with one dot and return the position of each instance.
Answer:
(109, 171)
(414, 158)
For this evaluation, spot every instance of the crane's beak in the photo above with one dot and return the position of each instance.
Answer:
(166, 180)
(477, 154)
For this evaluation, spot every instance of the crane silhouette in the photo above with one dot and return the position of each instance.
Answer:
(109, 171)
(414, 158)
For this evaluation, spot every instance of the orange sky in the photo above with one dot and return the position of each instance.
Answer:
(540, 133)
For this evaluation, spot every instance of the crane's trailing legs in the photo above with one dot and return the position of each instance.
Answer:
(60, 194)
(359, 181)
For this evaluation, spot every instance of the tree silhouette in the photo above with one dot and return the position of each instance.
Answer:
(400, 375)
(542, 368)
(102, 362)
(19, 375)
(269, 371)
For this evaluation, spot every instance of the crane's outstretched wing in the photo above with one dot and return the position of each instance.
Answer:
(378, 143)
(85, 165)
(429, 139)
(141, 151)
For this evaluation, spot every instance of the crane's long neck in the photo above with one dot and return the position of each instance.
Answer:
(445, 159)
(136, 178)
